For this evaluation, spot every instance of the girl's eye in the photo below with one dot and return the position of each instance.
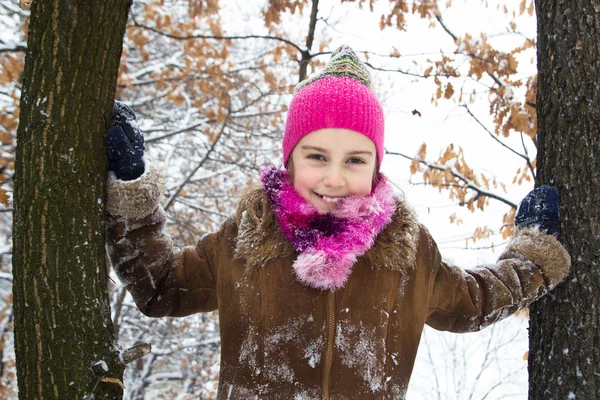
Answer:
(355, 160)
(317, 157)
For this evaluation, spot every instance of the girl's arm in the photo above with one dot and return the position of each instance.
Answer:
(164, 280)
(463, 300)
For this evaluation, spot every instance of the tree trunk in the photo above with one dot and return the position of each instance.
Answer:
(564, 334)
(64, 340)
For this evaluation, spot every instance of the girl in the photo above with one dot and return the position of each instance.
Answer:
(323, 279)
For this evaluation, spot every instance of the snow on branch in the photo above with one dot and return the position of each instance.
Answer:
(468, 183)
(473, 55)
(6, 276)
(200, 164)
(136, 352)
(216, 37)
(13, 47)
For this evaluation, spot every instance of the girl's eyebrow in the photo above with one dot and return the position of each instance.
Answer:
(351, 153)
(361, 152)
(314, 148)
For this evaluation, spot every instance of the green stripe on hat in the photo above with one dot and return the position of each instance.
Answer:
(343, 63)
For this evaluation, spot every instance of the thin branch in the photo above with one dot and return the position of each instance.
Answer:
(446, 75)
(409, 73)
(164, 377)
(214, 174)
(5, 329)
(461, 237)
(200, 164)
(494, 246)
(202, 209)
(136, 352)
(493, 136)
(13, 48)
(397, 56)
(211, 341)
(6, 93)
(438, 16)
(429, 355)
(216, 37)
(444, 185)
(178, 131)
(449, 32)
(13, 9)
(529, 164)
(469, 184)
(118, 308)
(6, 276)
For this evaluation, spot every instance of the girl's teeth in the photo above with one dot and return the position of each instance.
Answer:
(330, 199)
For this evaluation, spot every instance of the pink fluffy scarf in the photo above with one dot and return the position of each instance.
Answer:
(328, 244)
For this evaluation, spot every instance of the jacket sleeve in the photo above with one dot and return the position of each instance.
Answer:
(164, 280)
(466, 300)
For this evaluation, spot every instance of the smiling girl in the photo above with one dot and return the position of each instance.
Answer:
(323, 279)
(332, 163)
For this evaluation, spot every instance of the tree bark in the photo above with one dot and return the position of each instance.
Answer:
(564, 356)
(63, 330)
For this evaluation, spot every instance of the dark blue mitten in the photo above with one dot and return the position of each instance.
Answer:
(540, 207)
(125, 144)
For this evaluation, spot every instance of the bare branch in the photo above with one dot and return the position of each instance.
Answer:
(410, 73)
(493, 246)
(207, 342)
(178, 131)
(202, 209)
(468, 183)
(13, 48)
(136, 352)
(13, 9)
(118, 307)
(200, 164)
(215, 173)
(6, 276)
(4, 331)
(529, 164)
(455, 38)
(493, 136)
(192, 37)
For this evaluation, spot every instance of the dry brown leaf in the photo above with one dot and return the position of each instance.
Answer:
(114, 380)
(4, 197)
(25, 4)
(522, 7)
(449, 91)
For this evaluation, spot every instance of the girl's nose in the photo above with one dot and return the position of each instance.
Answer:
(334, 178)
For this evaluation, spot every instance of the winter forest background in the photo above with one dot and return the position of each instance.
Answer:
(210, 81)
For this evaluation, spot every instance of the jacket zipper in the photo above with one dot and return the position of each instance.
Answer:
(328, 358)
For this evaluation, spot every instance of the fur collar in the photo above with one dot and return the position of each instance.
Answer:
(328, 244)
(259, 237)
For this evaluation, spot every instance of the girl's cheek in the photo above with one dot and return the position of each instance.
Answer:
(363, 185)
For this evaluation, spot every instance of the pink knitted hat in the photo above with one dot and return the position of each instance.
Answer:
(340, 96)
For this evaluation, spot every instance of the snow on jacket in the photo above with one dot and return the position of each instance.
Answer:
(283, 340)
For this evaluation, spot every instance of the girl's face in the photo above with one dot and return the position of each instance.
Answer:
(333, 163)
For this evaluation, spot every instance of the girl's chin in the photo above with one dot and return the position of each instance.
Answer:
(321, 208)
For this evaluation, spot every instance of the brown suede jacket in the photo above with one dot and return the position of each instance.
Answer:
(283, 340)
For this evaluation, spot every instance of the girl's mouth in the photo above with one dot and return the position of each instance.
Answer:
(330, 200)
